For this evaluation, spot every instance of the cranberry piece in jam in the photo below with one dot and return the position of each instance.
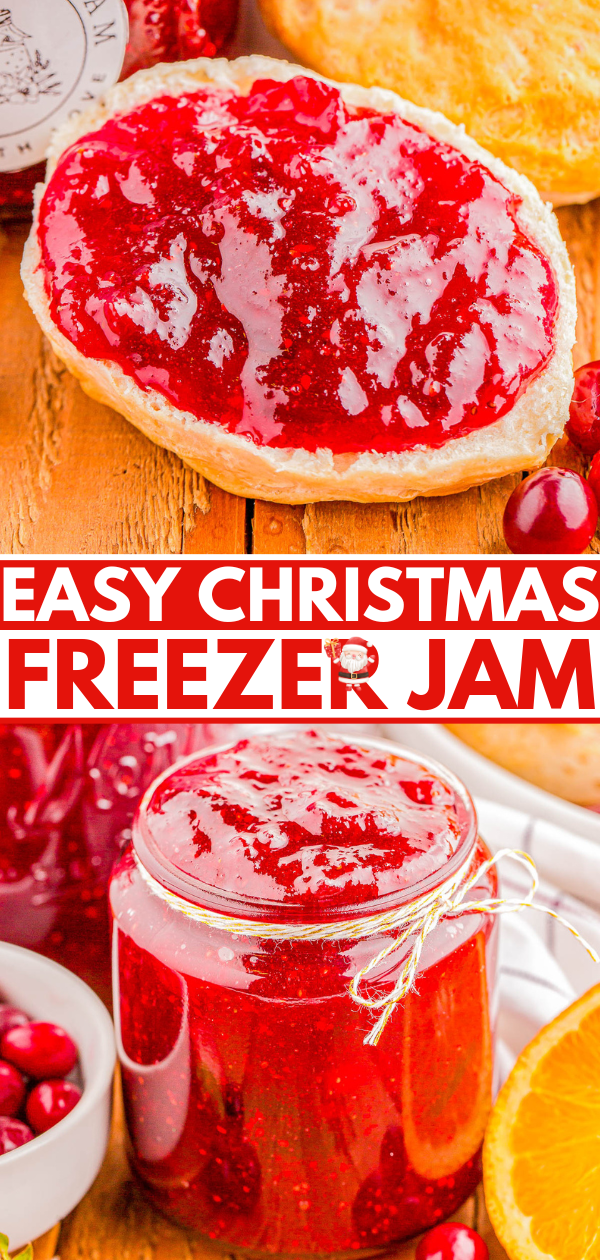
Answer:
(583, 425)
(232, 1175)
(49, 1102)
(452, 1241)
(301, 271)
(257, 1114)
(552, 511)
(39, 1049)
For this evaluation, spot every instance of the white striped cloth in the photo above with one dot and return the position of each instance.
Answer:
(543, 968)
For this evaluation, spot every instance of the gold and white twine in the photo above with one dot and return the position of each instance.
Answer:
(412, 921)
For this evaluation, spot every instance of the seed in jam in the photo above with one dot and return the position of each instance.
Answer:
(297, 270)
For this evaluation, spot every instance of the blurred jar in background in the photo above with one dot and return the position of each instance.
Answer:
(176, 30)
(68, 793)
(56, 57)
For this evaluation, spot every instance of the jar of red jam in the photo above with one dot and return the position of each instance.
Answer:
(68, 793)
(256, 1112)
(56, 57)
(176, 30)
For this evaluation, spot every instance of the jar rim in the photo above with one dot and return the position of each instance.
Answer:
(198, 893)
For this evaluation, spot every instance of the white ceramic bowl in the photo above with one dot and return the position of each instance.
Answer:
(42, 1181)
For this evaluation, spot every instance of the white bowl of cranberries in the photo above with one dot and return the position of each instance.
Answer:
(57, 1059)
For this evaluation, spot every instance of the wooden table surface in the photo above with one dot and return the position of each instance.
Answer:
(114, 1222)
(78, 478)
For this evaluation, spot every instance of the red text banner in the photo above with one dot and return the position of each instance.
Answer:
(441, 638)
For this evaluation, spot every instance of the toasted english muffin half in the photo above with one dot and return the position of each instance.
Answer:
(518, 440)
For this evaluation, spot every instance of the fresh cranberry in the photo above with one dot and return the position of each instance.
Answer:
(12, 1089)
(49, 1102)
(583, 425)
(39, 1049)
(11, 1017)
(452, 1241)
(594, 477)
(554, 510)
(13, 1133)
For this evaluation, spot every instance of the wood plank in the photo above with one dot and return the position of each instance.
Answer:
(277, 529)
(467, 523)
(77, 476)
(45, 1247)
(218, 523)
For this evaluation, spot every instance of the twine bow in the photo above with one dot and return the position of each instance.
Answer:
(416, 919)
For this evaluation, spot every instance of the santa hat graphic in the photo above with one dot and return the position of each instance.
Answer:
(358, 641)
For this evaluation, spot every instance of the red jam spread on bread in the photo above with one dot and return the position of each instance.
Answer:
(304, 820)
(296, 270)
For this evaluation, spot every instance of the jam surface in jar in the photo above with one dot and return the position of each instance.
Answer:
(256, 1113)
(307, 823)
(300, 271)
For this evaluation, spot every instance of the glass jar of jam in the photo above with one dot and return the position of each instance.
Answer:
(68, 793)
(256, 1112)
(176, 30)
(57, 57)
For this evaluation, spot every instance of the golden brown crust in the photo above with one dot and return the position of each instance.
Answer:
(523, 78)
(520, 440)
(563, 758)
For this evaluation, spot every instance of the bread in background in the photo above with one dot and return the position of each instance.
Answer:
(523, 77)
(561, 757)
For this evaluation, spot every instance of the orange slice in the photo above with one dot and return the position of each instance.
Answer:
(542, 1146)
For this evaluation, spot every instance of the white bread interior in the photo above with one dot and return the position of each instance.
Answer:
(518, 441)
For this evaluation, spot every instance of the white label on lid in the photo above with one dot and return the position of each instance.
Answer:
(56, 58)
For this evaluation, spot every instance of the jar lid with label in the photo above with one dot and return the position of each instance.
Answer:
(57, 58)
